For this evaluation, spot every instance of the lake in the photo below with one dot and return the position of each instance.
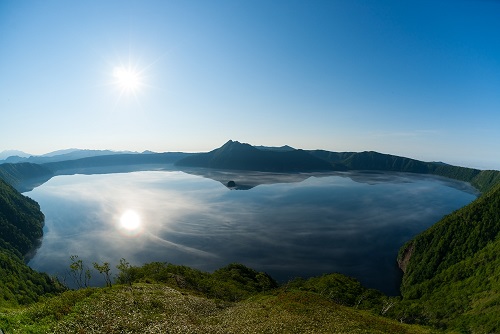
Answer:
(288, 225)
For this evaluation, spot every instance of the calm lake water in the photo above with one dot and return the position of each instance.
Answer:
(300, 225)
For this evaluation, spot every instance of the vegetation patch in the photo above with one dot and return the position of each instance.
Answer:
(157, 308)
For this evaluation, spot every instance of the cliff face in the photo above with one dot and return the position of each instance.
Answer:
(405, 255)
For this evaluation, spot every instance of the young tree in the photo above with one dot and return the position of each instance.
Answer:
(125, 275)
(80, 273)
(104, 270)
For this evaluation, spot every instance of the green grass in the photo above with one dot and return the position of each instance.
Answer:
(157, 308)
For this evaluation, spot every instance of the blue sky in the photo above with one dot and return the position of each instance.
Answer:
(414, 78)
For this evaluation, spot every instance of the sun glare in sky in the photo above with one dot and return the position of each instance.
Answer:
(129, 80)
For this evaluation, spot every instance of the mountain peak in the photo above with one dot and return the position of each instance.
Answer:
(232, 145)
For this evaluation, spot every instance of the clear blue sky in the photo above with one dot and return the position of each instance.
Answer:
(414, 78)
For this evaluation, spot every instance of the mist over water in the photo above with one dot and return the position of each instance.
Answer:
(352, 223)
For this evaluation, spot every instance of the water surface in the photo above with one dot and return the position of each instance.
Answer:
(352, 223)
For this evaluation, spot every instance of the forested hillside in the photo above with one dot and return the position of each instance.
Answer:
(483, 180)
(21, 223)
(24, 176)
(452, 270)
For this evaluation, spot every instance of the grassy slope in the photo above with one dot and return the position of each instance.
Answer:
(157, 308)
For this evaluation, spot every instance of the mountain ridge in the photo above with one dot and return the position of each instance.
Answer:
(62, 155)
(242, 156)
(7, 153)
(234, 155)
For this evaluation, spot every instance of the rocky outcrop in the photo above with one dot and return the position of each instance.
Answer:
(405, 256)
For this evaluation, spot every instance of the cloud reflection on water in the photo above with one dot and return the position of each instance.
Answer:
(324, 223)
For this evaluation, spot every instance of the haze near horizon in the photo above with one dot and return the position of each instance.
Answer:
(415, 79)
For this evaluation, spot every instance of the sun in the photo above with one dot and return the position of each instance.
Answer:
(128, 79)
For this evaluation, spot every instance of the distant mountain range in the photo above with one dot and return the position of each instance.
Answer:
(29, 172)
(61, 155)
(9, 153)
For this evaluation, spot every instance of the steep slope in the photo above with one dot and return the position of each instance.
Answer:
(238, 156)
(452, 270)
(21, 223)
(24, 176)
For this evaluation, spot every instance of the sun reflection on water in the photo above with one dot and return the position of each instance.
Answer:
(130, 223)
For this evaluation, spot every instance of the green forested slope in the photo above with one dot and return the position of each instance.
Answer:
(21, 223)
(24, 176)
(19, 284)
(456, 237)
(452, 275)
(385, 162)
(483, 180)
